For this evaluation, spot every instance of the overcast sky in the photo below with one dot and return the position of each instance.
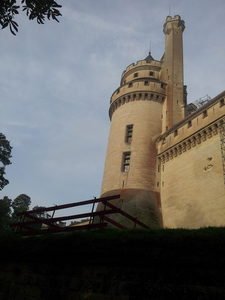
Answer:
(56, 81)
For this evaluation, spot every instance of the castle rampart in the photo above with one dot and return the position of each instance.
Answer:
(190, 169)
(195, 127)
(140, 63)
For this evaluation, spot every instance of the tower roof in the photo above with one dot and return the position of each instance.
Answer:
(149, 57)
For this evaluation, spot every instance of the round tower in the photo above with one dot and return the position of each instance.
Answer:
(130, 165)
(172, 72)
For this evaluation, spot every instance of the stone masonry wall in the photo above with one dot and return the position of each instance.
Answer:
(192, 187)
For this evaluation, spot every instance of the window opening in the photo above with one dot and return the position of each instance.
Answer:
(204, 114)
(126, 161)
(129, 133)
(222, 102)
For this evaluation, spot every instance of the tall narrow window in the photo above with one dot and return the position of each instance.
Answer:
(189, 124)
(176, 132)
(204, 114)
(126, 161)
(222, 102)
(129, 133)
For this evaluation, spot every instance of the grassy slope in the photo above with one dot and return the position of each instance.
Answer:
(190, 262)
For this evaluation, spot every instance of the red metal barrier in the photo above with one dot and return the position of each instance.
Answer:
(29, 223)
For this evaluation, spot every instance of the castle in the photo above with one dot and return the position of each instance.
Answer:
(165, 158)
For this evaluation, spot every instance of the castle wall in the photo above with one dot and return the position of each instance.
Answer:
(191, 178)
(193, 124)
(192, 187)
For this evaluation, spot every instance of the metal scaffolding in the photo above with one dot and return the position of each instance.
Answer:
(31, 222)
(222, 143)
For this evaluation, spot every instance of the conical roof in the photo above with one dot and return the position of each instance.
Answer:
(149, 57)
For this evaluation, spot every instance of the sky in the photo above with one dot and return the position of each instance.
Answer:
(56, 81)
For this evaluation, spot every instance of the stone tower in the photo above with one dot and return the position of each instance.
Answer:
(149, 100)
(172, 72)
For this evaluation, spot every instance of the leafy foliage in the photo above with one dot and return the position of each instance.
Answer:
(34, 9)
(41, 214)
(19, 204)
(9, 209)
(5, 155)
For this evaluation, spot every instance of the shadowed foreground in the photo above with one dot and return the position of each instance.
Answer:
(108, 264)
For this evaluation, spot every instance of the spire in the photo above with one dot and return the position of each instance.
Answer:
(149, 57)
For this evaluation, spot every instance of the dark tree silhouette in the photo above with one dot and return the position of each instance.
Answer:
(42, 214)
(20, 203)
(34, 9)
(5, 155)
(5, 213)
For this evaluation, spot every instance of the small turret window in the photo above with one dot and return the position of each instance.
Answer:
(135, 74)
(129, 133)
(189, 124)
(222, 102)
(146, 82)
(151, 73)
(130, 84)
(126, 161)
(204, 114)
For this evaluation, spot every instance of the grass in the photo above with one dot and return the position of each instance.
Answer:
(155, 263)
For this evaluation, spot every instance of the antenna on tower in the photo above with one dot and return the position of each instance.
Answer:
(170, 9)
(150, 46)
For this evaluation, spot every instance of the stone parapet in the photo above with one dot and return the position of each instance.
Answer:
(152, 63)
(209, 116)
(140, 96)
(192, 141)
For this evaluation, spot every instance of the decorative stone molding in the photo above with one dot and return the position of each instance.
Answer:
(191, 142)
(135, 96)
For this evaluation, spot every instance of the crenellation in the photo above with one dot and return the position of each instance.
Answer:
(193, 123)
(153, 63)
(126, 98)
(138, 86)
(189, 143)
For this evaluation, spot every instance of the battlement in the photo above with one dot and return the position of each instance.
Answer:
(206, 116)
(170, 21)
(139, 86)
(154, 63)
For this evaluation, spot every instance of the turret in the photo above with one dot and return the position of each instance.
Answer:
(150, 100)
(130, 165)
(172, 72)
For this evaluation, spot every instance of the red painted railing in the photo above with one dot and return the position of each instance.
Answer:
(30, 223)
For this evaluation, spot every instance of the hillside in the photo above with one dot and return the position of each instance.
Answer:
(112, 264)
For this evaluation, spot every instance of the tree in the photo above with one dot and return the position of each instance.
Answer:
(42, 214)
(34, 9)
(5, 155)
(20, 203)
(5, 213)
